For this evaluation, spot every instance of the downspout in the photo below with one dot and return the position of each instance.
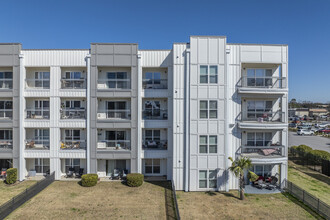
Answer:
(88, 94)
(228, 145)
(187, 119)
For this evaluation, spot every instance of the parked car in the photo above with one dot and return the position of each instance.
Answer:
(305, 132)
(324, 130)
(292, 125)
(323, 125)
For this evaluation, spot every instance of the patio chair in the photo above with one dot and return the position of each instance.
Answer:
(115, 175)
(272, 184)
(3, 173)
(70, 172)
(79, 173)
(124, 174)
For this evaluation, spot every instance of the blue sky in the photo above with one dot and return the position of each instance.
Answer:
(303, 25)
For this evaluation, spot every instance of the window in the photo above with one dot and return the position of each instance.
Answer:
(257, 109)
(152, 135)
(72, 163)
(6, 134)
(6, 80)
(73, 75)
(41, 165)
(42, 79)
(259, 138)
(208, 144)
(117, 110)
(71, 135)
(115, 138)
(263, 170)
(72, 104)
(6, 109)
(152, 78)
(152, 166)
(259, 77)
(208, 109)
(208, 74)
(118, 80)
(208, 179)
(41, 136)
(42, 107)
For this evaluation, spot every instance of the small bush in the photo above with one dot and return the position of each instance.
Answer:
(135, 179)
(88, 180)
(252, 176)
(11, 176)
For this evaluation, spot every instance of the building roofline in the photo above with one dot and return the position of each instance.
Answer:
(209, 36)
(155, 50)
(114, 43)
(10, 44)
(52, 49)
(257, 44)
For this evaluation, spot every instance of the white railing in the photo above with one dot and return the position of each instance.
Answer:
(154, 83)
(263, 116)
(42, 113)
(34, 144)
(114, 145)
(114, 84)
(73, 113)
(6, 114)
(37, 83)
(6, 83)
(154, 114)
(6, 144)
(73, 144)
(73, 83)
(114, 114)
(264, 82)
(154, 144)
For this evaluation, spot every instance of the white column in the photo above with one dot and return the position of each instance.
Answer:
(88, 95)
(21, 171)
(139, 114)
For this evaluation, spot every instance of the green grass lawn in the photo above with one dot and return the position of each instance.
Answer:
(221, 205)
(106, 200)
(9, 191)
(311, 181)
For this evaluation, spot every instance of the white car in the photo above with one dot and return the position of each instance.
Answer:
(305, 132)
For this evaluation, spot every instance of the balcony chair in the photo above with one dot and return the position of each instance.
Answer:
(124, 174)
(115, 175)
(79, 173)
(3, 173)
(272, 184)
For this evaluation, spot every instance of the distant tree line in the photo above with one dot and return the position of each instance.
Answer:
(307, 104)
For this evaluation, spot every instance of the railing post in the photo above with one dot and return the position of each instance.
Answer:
(318, 205)
(303, 197)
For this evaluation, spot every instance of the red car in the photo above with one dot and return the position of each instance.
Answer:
(324, 130)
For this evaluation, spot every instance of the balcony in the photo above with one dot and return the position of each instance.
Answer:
(263, 85)
(37, 113)
(263, 119)
(73, 145)
(37, 83)
(154, 83)
(73, 113)
(114, 84)
(122, 114)
(37, 144)
(154, 144)
(6, 144)
(73, 83)
(154, 114)
(120, 145)
(6, 84)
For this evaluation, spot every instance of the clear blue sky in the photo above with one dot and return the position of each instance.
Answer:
(303, 25)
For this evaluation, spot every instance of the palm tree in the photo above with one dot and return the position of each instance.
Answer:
(237, 167)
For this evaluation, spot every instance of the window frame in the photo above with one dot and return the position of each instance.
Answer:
(208, 76)
(152, 166)
(208, 179)
(208, 109)
(207, 144)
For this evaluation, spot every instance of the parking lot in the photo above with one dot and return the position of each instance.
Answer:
(315, 142)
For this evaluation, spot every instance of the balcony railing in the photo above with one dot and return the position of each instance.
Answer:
(33, 144)
(265, 151)
(37, 113)
(6, 114)
(154, 83)
(6, 83)
(73, 83)
(73, 145)
(154, 114)
(272, 82)
(114, 145)
(73, 113)
(114, 114)
(6, 144)
(37, 83)
(114, 84)
(154, 144)
(260, 116)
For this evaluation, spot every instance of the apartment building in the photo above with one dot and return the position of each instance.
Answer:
(173, 114)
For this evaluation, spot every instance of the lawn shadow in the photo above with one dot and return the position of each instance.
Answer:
(227, 194)
(210, 193)
(169, 200)
(314, 174)
(302, 205)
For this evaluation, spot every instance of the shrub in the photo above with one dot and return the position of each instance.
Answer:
(88, 180)
(134, 179)
(252, 176)
(11, 176)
